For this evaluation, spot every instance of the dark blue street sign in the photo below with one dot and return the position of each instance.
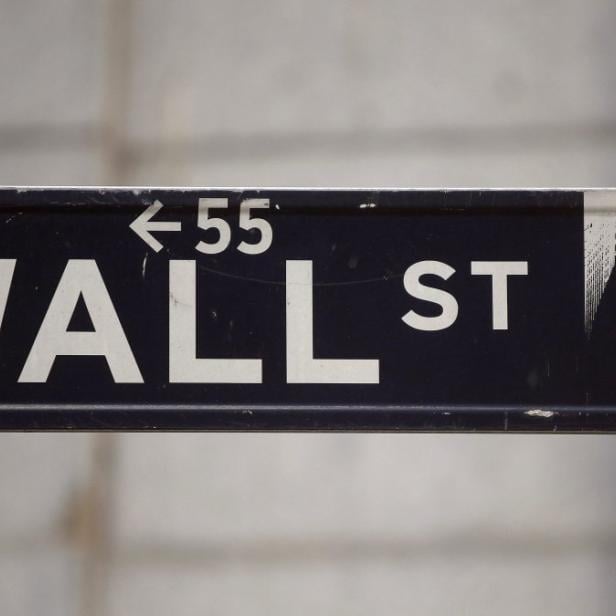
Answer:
(246, 309)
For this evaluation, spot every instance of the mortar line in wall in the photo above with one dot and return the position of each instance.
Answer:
(272, 552)
(97, 534)
(98, 542)
(222, 147)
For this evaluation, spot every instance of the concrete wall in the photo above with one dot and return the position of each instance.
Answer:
(298, 92)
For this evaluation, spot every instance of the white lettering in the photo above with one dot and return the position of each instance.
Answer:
(302, 367)
(499, 271)
(445, 300)
(81, 277)
(184, 365)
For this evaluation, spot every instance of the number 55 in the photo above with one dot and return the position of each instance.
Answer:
(220, 225)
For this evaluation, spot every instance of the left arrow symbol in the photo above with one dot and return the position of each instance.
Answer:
(143, 224)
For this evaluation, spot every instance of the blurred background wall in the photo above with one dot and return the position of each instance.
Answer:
(308, 93)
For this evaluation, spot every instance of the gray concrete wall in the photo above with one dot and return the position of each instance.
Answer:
(300, 92)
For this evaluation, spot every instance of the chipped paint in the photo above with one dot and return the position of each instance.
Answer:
(143, 265)
(540, 413)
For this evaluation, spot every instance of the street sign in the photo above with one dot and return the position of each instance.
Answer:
(259, 309)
